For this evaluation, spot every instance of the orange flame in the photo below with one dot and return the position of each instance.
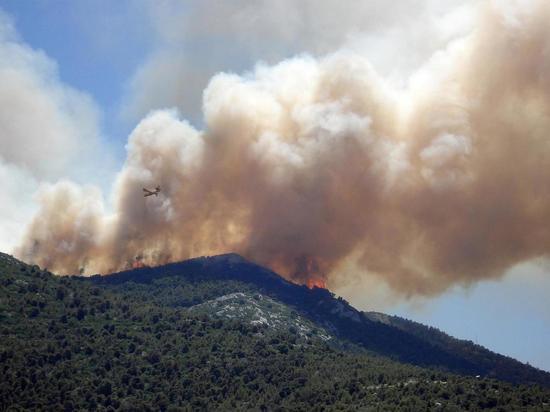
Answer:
(138, 263)
(316, 283)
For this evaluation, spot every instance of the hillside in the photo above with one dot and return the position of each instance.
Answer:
(335, 315)
(499, 366)
(174, 338)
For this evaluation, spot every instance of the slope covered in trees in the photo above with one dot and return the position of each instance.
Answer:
(331, 313)
(81, 344)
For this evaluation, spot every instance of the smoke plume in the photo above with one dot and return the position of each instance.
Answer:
(314, 161)
(44, 125)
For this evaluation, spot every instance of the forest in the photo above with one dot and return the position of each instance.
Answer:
(72, 344)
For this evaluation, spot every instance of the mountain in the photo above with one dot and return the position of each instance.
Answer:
(222, 333)
(397, 338)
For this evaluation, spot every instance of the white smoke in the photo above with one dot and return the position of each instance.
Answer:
(47, 130)
(320, 161)
(197, 39)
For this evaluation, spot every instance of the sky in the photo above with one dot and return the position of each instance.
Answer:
(83, 83)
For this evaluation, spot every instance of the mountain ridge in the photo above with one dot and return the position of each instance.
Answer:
(399, 339)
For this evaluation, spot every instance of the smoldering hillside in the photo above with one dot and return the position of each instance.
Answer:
(313, 162)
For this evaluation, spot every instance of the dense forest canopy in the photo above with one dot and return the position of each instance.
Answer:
(75, 344)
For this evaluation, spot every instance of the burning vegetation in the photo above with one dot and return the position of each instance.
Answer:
(316, 283)
(138, 262)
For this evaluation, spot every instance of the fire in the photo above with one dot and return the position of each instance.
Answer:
(311, 269)
(138, 263)
(316, 283)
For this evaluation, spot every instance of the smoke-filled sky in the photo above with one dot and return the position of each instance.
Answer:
(400, 153)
